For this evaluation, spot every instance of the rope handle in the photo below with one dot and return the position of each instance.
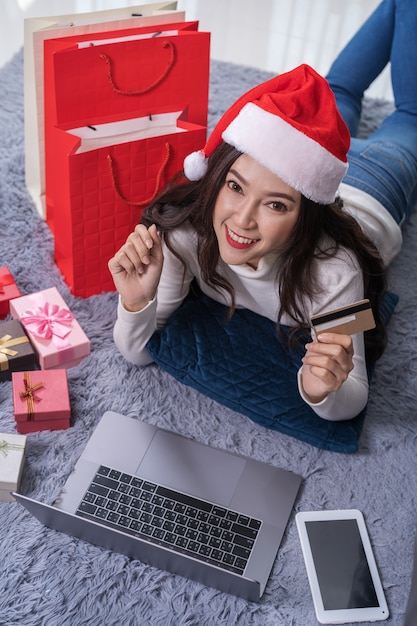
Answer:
(157, 184)
(140, 92)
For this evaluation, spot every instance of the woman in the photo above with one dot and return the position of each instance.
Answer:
(260, 224)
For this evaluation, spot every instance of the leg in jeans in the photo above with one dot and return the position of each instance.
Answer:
(385, 164)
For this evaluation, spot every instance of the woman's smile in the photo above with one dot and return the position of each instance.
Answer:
(238, 241)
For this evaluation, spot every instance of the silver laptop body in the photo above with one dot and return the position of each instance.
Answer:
(197, 483)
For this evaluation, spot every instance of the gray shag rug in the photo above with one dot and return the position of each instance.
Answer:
(50, 579)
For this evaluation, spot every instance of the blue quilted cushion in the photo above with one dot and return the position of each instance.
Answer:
(243, 364)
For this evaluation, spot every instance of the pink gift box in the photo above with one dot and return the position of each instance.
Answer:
(53, 330)
(41, 400)
(8, 291)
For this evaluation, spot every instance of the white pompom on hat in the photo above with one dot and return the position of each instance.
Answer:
(290, 125)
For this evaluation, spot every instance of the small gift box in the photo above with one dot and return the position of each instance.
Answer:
(53, 330)
(16, 351)
(8, 290)
(12, 456)
(41, 400)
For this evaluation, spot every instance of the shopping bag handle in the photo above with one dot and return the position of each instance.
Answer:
(139, 92)
(157, 184)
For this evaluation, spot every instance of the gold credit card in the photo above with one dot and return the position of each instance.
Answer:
(347, 320)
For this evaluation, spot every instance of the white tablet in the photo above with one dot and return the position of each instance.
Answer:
(341, 567)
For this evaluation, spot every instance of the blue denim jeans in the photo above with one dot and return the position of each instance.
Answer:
(385, 164)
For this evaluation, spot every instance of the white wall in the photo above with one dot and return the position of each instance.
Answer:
(277, 35)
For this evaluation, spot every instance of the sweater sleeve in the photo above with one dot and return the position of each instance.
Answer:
(132, 331)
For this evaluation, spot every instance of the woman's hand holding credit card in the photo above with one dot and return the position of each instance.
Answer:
(329, 357)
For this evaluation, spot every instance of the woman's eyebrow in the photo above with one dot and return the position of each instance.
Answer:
(274, 194)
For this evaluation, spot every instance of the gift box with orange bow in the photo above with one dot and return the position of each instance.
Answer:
(53, 330)
(41, 400)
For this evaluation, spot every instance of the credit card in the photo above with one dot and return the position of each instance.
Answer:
(347, 320)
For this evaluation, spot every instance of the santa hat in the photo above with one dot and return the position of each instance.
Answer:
(290, 125)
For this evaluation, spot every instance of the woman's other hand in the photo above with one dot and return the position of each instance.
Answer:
(136, 267)
(326, 365)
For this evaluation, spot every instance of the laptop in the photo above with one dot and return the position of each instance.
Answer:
(209, 515)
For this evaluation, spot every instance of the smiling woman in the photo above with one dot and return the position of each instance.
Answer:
(269, 221)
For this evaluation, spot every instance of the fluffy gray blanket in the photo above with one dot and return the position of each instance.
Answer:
(51, 579)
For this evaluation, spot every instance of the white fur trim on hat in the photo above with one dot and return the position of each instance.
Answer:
(195, 165)
(287, 152)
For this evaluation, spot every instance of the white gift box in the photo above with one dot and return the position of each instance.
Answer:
(12, 455)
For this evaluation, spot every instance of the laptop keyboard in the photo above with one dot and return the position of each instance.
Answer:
(169, 518)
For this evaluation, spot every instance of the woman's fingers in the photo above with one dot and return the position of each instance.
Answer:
(136, 253)
(332, 346)
(328, 361)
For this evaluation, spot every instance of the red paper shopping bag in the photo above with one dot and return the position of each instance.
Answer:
(127, 70)
(136, 88)
(105, 189)
(128, 73)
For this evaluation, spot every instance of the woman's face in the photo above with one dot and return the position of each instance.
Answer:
(254, 213)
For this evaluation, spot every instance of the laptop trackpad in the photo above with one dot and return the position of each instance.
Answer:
(191, 467)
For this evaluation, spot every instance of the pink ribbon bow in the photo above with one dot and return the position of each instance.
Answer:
(48, 321)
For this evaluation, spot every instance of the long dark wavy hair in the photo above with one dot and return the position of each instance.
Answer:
(193, 202)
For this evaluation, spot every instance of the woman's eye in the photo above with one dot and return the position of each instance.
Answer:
(278, 206)
(234, 186)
